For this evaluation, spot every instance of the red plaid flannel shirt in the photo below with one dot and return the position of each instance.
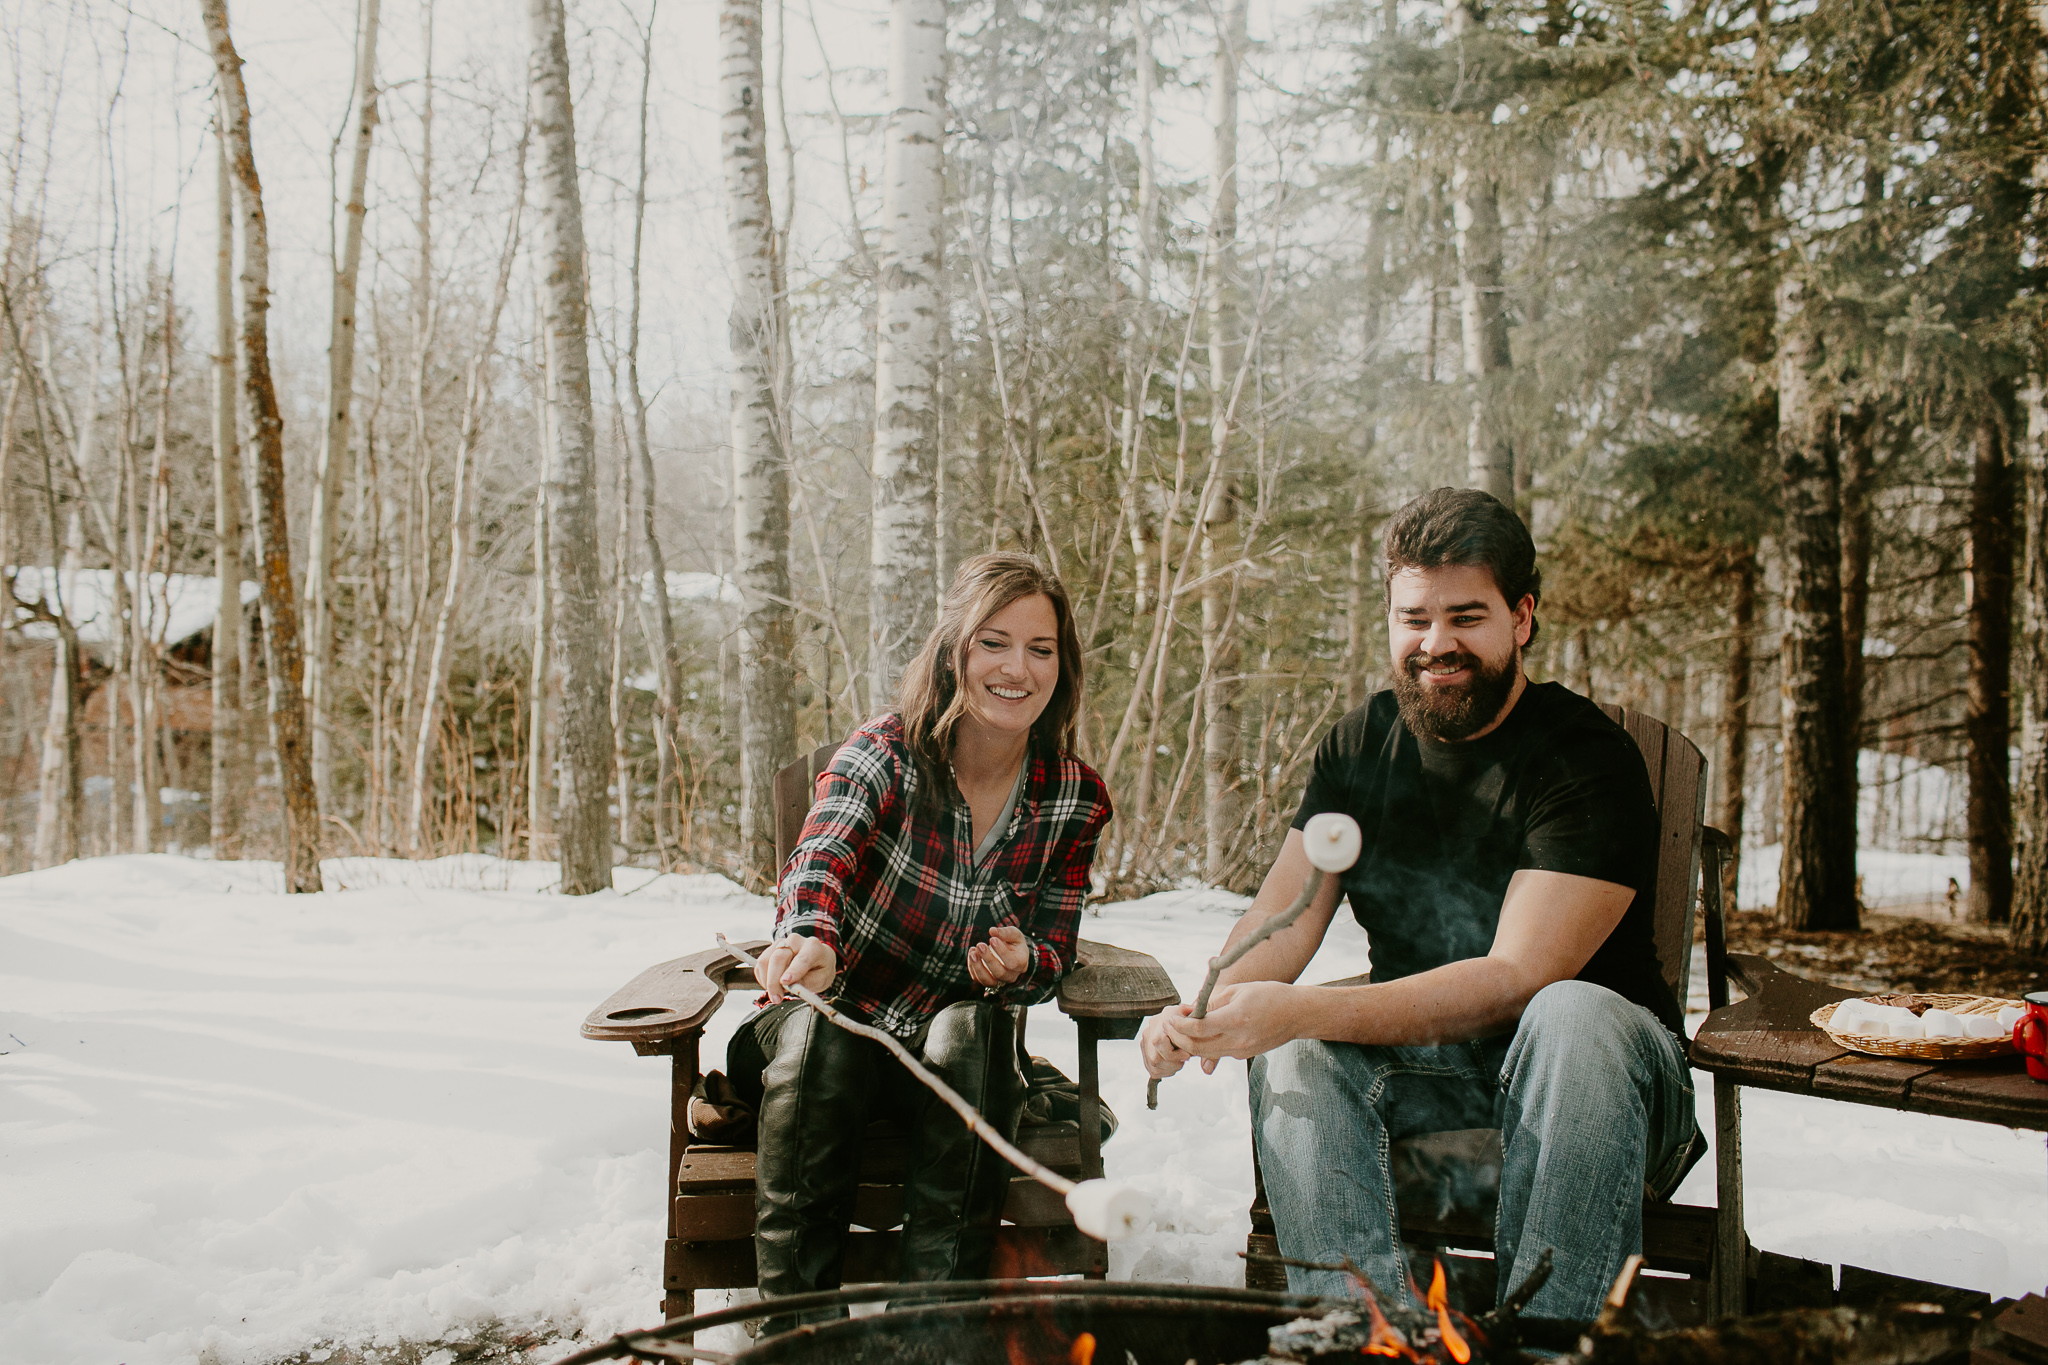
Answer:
(900, 902)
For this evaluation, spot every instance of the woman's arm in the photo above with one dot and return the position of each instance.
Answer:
(853, 796)
(1052, 926)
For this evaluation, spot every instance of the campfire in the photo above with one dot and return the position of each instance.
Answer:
(1036, 1322)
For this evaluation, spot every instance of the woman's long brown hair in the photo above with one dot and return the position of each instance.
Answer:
(928, 699)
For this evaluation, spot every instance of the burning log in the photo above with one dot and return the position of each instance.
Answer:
(1907, 1334)
(1904, 1334)
(1430, 1334)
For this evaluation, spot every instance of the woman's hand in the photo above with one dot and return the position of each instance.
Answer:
(1005, 957)
(798, 960)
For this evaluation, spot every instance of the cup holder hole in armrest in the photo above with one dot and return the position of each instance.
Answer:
(639, 1012)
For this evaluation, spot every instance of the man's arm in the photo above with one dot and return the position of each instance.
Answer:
(1551, 923)
(1281, 958)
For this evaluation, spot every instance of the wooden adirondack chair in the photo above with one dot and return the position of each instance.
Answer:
(1437, 1174)
(662, 1012)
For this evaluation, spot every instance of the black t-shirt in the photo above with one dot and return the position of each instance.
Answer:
(1556, 787)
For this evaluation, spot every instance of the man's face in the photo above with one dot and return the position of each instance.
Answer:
(1457, 649)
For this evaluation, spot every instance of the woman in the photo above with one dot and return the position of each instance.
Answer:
(937, 885)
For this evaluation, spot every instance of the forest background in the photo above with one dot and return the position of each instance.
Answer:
(425, 431)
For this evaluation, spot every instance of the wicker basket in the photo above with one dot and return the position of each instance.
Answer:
(1926, 1049)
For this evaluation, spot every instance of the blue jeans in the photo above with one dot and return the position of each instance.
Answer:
(1595, 1106)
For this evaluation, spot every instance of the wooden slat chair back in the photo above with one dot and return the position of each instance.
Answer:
(794, 784)
(1438, 1174)
(710, 1243)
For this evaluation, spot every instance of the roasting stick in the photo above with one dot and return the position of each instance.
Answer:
(1333, 842)
(1104, 1211)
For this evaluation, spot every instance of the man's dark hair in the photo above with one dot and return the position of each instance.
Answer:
(1466, 527)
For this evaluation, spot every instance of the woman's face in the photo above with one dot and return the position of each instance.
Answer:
(1013, 665)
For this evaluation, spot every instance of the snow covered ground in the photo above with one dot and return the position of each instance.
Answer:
(1889, 879)
(237, 1126)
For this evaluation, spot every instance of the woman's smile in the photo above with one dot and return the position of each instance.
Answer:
(1013, 665)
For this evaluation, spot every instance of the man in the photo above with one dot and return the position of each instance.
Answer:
(1507, 885)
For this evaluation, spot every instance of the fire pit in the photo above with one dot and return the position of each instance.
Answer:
(1059, 1327)
(1036, 1322)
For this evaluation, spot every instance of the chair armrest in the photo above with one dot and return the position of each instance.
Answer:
(670, 1000)
(1114, 983)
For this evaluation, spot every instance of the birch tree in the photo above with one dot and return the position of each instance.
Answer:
(461, 517)
(266, 432)
(151, 762)
(575, 580)
(341, 370)
(657, 621)
(229, 745)
(1220, 530)
(903, 595)
(540, 808)
(760, 465)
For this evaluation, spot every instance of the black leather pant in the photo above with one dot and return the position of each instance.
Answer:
(820, 1088)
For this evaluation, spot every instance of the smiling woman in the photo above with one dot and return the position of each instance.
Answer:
(938, 883)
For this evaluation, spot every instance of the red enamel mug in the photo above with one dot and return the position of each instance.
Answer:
(2030, 1035)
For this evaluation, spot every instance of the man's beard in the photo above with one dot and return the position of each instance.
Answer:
(1453, 713)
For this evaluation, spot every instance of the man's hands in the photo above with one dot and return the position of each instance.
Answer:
(798, 960)
(1005, 957)
(1244, 1020)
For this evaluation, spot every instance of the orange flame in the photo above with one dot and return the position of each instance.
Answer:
(1083, 1350)
(1385, 1339)
(1440, 1301)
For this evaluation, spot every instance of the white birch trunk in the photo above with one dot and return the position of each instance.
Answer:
(575, 582)
(150, 763)
(266, 433)
(657, 621)
(1220, 527)
(904, 580)
(540, 806)
(230, 773)
(760, 467)
(58, 779)
(462, 520)
(615, 694)
(1137, 371)
(341, 370)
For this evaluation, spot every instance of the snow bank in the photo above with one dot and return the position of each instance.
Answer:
(236, 1125)
(1888, 878)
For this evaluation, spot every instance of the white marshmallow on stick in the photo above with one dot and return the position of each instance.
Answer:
(1107, 1211)
(1333, 841)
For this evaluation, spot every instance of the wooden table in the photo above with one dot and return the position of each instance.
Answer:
(1769, 1042)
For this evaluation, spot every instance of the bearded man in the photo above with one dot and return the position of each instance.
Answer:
(1507, 885)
